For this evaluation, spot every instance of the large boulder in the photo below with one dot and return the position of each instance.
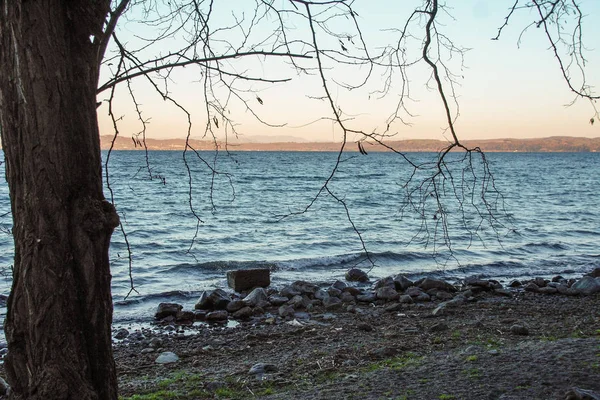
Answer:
(305, 287)
(257, 297)
(402, 282)
(167, 309)
(432, 283)
(216, 299)
(356, 275)
(587, 285)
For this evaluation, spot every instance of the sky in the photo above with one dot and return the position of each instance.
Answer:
(505, 88)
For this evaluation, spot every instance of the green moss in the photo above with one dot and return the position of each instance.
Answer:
(472, 373)
(446, 397)
(471, 358)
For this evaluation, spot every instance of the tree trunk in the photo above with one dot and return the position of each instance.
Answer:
(58, 325)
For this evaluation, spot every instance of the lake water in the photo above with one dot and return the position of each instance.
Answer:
(549, 223)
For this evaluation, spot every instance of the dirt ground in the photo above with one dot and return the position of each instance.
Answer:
(526, 346)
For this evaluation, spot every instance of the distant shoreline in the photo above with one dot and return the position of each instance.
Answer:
(555, 144)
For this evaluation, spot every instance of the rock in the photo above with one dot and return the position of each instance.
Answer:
(364, 327)
(564, 289)
(156, 343)
(335, 292)
(255, 297)
(167, 310)
(581, 394)
(356, 275)
(495, 284)
(520, 330)
(278, 300)
(423, 297)
(515, 284)
(347, 297)
(475, 281)
(340, 285)
(439, 327)
(430, 283)
(305, 287)
(213, 300)
(406, 299)
(200, 315)
(442, 295)
(243, 313)
(121, 334)
(455, 302)
(369, 297)
(299, 301)
(4, 388)
(540, 282)
(532, 287)
(262, 368)
(558, 279)
(289, 292)
(185, 316)
(414, 291)
(503, 292)
(352, 290)
(402, 282)
(595, 273)
(147, 350)
(387, 293)
(587, 285)
(213, 386)
(392, 307)
(332, 303)
(286, 311)
(248, 278)
(218, 315)
(167, 357)
(385, 282)
(320, 294)
(235, 305)
(547, 290)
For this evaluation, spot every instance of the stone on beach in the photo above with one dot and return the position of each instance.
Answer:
(167, 309)
(245, 279)
(167, 357)
(356, 275)
(256, 297)
(216, 299)
(587, 285)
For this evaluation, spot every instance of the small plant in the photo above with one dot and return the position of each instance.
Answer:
(471, 358)
(472, 373)
(446, 397)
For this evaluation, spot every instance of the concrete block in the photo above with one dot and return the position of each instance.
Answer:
(244, 279)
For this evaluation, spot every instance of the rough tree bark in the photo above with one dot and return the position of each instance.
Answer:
(60, 308)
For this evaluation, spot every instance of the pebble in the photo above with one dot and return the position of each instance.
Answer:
(262, 368)
(365, 327)
(167, 357)
(121, 334)
(439, 327)
(519, 330)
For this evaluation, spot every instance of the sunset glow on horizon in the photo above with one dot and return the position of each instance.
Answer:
(507, 88)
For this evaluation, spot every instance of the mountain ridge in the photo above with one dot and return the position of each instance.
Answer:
(548, 144)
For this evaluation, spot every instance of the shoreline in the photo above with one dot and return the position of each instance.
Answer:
(495, 343)
(499, 343)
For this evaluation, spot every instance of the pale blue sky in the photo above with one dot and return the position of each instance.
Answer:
(507, 91)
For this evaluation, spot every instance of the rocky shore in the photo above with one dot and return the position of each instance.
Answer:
(393, 338)
(388, 339)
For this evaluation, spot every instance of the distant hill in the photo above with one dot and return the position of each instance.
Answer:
(550, 144)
